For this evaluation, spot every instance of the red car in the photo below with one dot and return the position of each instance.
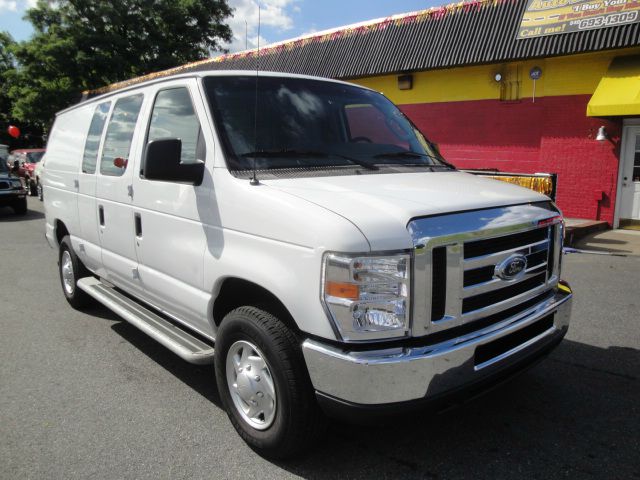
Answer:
(27, 159)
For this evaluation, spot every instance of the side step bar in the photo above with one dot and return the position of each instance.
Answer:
(179, 341)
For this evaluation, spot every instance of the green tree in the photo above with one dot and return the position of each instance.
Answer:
(6, 66)
(80, 45)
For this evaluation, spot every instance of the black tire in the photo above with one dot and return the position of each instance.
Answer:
(20, 206)
(298, 421)
(33, 188)
(40, 192)
(76, 297)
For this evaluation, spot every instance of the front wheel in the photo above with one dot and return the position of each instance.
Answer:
(40, 192)
(264, 385)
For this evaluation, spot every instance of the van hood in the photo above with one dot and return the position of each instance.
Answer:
(381, 205)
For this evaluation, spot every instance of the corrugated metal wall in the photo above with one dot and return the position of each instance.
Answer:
(477, 35)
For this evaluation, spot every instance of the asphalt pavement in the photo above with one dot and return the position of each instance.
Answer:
(86, 395)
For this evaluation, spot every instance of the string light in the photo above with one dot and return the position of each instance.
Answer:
(434, 13)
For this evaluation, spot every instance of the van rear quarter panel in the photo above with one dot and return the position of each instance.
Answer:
(64, 156)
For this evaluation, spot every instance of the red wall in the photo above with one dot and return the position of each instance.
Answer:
(552, 135)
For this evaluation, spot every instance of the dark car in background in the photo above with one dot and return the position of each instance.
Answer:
(27, 160)
(12, 193)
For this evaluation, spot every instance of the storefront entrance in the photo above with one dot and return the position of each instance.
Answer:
(629, 212)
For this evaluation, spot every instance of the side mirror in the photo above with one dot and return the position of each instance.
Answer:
(162, 162)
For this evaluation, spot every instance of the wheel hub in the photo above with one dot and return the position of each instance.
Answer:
(251, 384)
(66, 267)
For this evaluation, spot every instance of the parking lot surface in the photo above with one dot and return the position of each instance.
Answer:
(86, 395)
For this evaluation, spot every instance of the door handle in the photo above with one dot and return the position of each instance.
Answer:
(138, 224)
(101, 215)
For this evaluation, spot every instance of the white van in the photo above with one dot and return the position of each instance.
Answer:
(302, 235)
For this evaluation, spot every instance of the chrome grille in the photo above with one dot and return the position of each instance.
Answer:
(456, 257)
(5, 185)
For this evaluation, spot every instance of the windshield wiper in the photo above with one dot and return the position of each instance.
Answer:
(288, 153)
(408, 154)
(282, 153)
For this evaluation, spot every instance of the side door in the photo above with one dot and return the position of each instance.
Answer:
(171, 239)
(114, 193)
(90, 249)
(630, 164)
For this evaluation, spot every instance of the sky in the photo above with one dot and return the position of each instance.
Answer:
(280, 19)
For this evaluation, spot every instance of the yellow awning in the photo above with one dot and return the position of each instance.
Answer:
(618, 92)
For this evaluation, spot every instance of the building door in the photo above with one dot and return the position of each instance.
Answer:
(630, 186)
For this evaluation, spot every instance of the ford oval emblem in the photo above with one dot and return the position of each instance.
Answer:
(511, 268)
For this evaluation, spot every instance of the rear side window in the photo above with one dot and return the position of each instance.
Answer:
(173, 116)
(93, 138)
(117, 143)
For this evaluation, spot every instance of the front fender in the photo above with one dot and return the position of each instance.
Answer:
(290, 272)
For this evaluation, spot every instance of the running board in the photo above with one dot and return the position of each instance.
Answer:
(179, 341)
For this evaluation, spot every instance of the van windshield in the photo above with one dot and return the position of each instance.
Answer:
(306, 123)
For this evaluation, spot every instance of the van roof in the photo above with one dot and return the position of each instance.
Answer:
(166, 76)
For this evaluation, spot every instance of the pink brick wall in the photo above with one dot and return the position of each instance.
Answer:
(552, 135)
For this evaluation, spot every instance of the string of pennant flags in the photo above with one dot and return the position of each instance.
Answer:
(433, 13)
(362, 28)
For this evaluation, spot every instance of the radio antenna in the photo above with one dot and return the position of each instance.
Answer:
(254, 178)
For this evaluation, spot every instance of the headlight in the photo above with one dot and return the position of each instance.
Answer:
(367, 296)
(16, 183)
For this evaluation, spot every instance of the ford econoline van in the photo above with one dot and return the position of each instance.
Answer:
(306, 238)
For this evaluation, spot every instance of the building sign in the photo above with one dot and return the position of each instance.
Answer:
(550, 17)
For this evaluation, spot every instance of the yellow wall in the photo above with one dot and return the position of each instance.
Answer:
(570, 75)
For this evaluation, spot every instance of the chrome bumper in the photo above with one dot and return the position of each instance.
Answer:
(378, 377)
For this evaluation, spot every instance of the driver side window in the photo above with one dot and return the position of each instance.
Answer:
(173, 116)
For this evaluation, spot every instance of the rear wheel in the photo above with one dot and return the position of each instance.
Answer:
(71, 270)
(264, 385)
(40, 192)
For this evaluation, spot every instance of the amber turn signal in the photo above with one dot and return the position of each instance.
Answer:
(342, 290)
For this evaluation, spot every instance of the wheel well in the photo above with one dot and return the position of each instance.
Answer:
(61, 231)
(236, 292)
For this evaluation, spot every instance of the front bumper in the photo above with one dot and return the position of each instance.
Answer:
(405, 374)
